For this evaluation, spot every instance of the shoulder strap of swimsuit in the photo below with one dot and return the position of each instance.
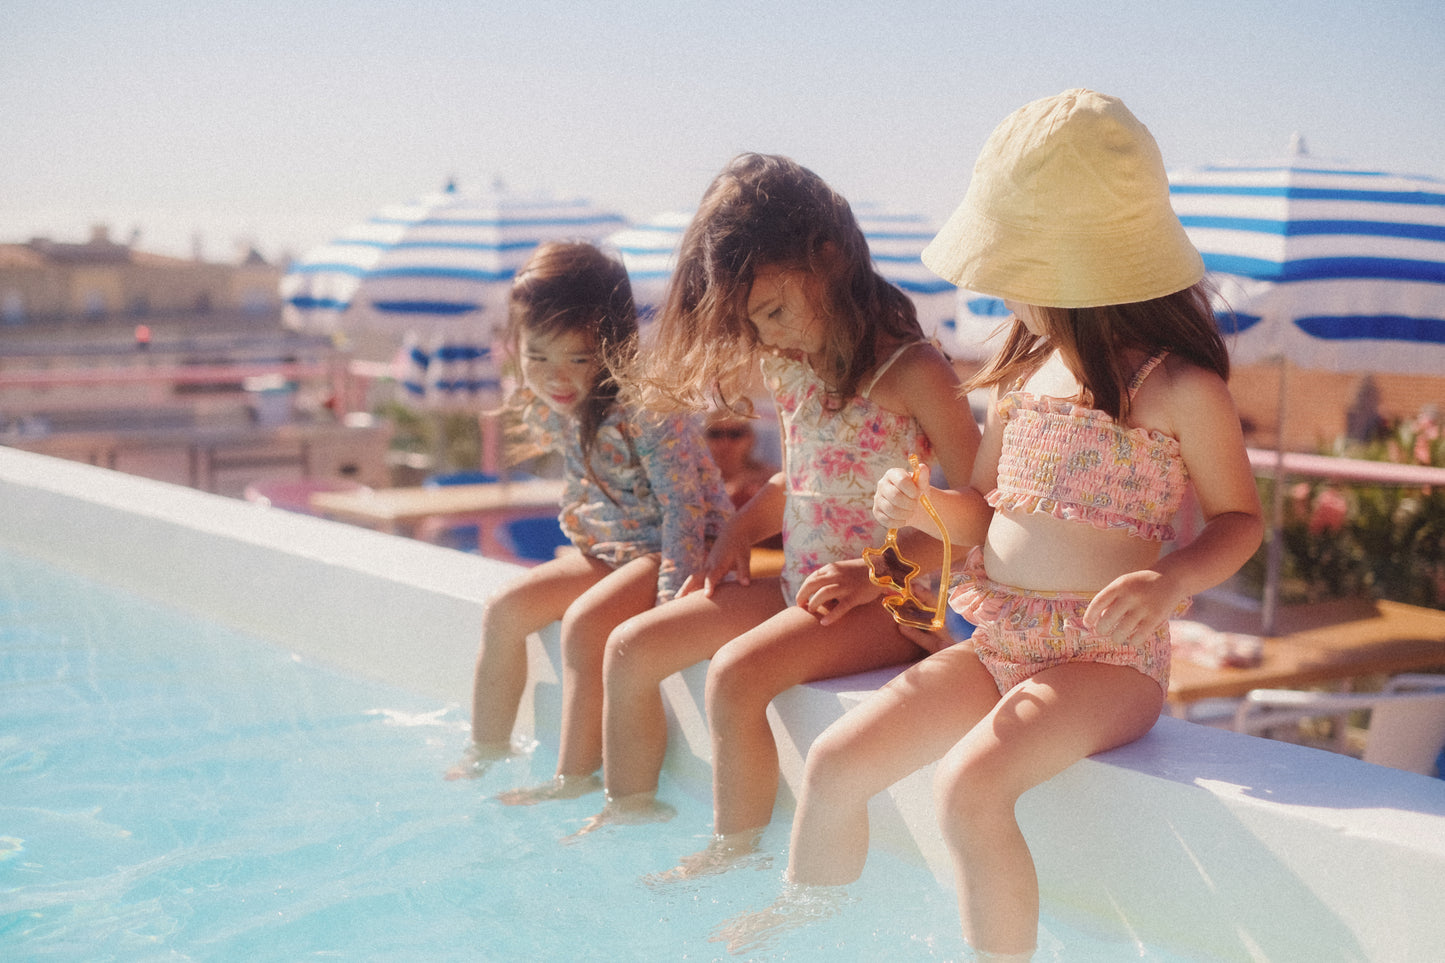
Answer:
(1144, 371)
(883, 368)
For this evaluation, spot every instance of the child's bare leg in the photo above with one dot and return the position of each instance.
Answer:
(910, 722)
(646, 649)
(799, 905)
(1040, 727)
(746, 675)
(522, 607)
(627, 811)
(903, 727)
(628, 591)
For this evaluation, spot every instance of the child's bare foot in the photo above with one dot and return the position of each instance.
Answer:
(798, 906)
(638, 808)
(477, 759)
(725, 852)
(561, 787)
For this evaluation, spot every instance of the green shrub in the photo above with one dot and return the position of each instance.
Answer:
(1348, 539)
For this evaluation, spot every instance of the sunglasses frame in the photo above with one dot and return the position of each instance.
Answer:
(904, 594)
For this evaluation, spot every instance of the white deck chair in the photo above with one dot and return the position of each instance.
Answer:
(1407, 718)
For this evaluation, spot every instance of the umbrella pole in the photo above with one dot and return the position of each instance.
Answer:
(1274, 552)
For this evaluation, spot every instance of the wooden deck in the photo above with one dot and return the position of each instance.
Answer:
(1319, 644)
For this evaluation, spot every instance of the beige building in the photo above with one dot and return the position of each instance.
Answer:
(45, 282)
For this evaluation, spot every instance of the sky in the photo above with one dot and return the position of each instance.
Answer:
(206, 124)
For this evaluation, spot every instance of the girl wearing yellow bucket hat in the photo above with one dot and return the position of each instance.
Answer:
(1109, 398)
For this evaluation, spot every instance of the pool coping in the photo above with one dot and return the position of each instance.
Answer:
(1197, 840)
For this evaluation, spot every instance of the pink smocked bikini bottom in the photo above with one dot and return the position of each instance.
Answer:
(1021, 632)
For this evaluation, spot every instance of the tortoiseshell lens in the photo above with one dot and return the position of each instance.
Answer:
(887, 568)
(908, 611)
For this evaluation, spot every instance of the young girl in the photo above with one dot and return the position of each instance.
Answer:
(775, 267)
(642, 499)
(1109, 398)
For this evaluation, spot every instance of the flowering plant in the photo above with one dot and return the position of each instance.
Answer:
(1345, 539)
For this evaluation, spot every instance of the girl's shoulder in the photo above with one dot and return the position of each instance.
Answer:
(911, 371)
(1179, 392)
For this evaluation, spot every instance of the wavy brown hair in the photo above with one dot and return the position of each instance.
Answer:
(1093, 341)
(767, 211)
(566, 287)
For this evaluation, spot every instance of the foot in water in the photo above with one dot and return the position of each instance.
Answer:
(478, 758)
(725, 852)
(799, 905)
(631, 810)
(561, 787)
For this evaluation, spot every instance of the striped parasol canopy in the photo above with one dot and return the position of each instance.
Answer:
(980, 320)
(434, 274)
(896, 240)
(442, 262)
(1323, 265)
(1319, 265)
(649, 250)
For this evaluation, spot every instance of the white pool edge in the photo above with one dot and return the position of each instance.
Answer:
(1208, 843)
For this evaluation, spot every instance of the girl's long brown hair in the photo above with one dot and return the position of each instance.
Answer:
(566, 287)
(1093, 342)
(765, 210)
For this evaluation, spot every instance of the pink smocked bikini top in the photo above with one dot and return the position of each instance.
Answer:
(1079, 464)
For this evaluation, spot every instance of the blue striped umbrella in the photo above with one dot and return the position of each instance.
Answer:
(649, 250)
(435, 274)
(896, 240)
(441, 263)
(1324, 265)
(979, 317)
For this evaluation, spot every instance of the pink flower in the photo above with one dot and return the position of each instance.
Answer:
(1299, 497)
(1330, 512)
(1422, 449)
(1426, 425)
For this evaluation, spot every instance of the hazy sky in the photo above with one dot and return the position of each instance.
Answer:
(283, 123)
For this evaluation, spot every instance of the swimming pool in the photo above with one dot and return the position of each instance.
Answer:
(1194, 840)
(177, 789)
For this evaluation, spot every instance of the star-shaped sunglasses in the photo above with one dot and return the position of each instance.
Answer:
(888, 569)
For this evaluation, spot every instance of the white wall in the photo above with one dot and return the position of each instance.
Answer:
(1209, 843)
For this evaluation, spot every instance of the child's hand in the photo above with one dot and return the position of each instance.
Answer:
(1133, 606)
(897, 497)
(929, 640)
(730, 555)
(835, 588)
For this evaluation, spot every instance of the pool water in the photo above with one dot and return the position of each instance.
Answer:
(173, 790)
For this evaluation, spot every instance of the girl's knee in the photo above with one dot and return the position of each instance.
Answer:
(737, 684)
(965, 792)
(831, 767)
(583, 652)
(625, 661)
(506, 617)
(582, 642)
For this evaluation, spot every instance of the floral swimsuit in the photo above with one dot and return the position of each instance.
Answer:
(832, 460)
(669, 495)
(1077, 464)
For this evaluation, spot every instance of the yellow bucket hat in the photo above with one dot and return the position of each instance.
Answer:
(1068, 208)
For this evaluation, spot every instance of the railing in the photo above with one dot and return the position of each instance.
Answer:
(1281, 464)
